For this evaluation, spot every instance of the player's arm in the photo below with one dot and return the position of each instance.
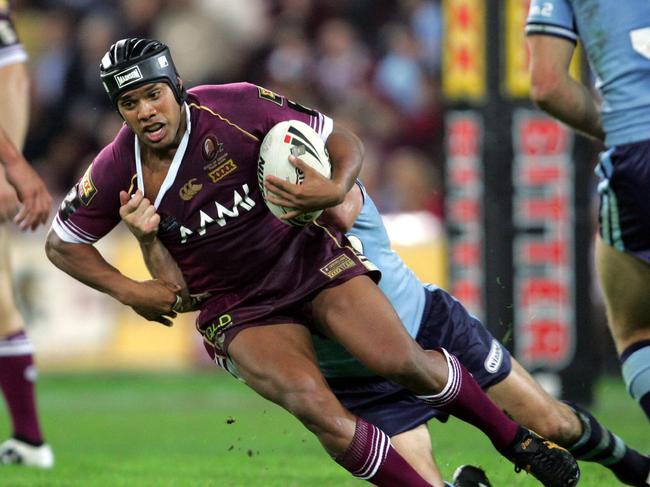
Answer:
(25, 184)
(344, 215)
(318, 192)
(140, 217)
(555, 91)
(151, 299)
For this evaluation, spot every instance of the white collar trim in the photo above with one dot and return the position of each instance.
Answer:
(176, 162)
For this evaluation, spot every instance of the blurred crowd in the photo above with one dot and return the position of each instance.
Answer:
(373, 65)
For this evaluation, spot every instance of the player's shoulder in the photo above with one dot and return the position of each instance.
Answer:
(117, 158)
(209, 94)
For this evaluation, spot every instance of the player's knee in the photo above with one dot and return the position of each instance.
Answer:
(559, 424)
(636, 369)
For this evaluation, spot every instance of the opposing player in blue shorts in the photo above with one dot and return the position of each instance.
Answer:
(616, 38)
(193, 153)
(435, 319)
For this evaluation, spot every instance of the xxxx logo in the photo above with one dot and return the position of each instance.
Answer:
(190, 189)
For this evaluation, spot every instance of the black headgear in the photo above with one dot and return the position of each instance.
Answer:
(133, 62)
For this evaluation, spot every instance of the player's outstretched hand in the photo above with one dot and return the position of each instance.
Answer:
(32, 193)
(9, 203)
(140, 216)
(315, 193)
(155, 300)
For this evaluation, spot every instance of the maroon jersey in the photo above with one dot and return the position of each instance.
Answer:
(11, 51)
(214, 220)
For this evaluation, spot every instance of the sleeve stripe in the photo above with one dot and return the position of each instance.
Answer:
(77, 229)
(327, 127)
(12, 55)
(67, 233)
(552, 30)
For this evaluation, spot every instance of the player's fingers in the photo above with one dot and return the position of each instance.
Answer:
(278, 200)
(300, 164)
(291, 214)
(135, 200)
(281, 189)
(279, 186)
(149, 212)
(164, 321)
(124, 198)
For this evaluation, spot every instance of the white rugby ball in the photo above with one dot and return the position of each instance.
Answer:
(295, 138)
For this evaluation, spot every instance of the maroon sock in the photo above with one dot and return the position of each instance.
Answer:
(17, 375)
(371, 457)
(463, 397)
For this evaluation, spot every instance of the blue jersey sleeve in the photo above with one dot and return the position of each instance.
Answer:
(552, 17)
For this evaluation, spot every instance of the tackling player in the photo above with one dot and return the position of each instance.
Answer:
(436, 319)
(25, 200)
(194, 155)
(616, 38)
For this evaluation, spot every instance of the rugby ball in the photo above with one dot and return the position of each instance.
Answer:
(298, 139)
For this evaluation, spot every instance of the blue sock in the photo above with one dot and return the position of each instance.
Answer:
(598, 444)
(636, 373)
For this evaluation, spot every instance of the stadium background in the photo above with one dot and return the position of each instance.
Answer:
(448, 162)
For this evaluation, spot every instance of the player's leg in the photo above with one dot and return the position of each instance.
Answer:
(628, 315)
(14, 102)
(278, 362)
(17, 377)
(358, 316)
(568, 425)
(17, 372)
(415, 447)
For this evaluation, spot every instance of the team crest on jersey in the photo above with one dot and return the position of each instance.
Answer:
(211, 148)
(270, 96)
(219, 162)
(222, 170)
(86, 188)
(190, 189)
(336, 266)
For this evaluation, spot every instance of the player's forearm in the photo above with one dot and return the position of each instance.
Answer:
(346, 153)
(9, 154)
(86, 264)
(573, 104)
(161, 264)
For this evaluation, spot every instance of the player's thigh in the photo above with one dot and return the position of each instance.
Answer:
(415, 447)
(530, 405)
(358, 316)
(14, 102)
(278, 362)
(625, 280)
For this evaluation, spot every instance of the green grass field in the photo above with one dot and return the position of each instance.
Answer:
(206, 429)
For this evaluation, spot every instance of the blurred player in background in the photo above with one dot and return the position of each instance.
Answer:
(25, 200)
(616, 37)
(194, 155)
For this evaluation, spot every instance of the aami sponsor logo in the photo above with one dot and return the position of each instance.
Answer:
(129, 76)
(494, 358)
(220, 214)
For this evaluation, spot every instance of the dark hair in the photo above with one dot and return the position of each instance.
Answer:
(132, 62)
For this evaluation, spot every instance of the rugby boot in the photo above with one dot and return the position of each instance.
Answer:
(16, 452)
(470, 476)
(549, 463)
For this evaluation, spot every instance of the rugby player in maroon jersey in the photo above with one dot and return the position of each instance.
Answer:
(25, 200)
(188, 160)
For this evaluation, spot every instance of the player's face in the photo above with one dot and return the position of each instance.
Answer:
(153, 114)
